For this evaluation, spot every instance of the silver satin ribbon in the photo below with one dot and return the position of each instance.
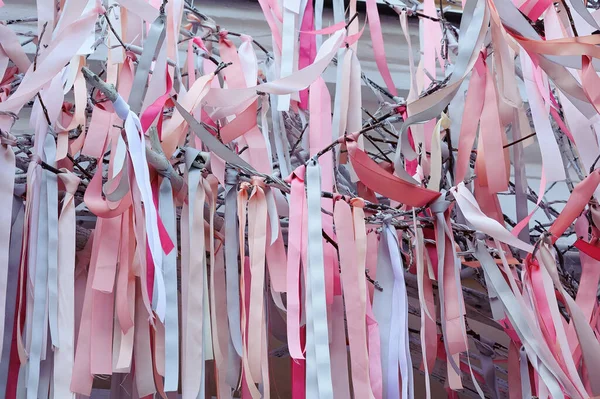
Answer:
(524, 370)
(319, 20)
(486, 350)
(52, 183)
(152, 45)
(399, 350)
(582, 10)
(317, 332)
(14, 260)
(40, 289)
(382, 308)
(231, 261)
(167, 214)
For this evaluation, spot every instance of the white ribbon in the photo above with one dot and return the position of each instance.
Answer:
(137, 150)
(317, 331)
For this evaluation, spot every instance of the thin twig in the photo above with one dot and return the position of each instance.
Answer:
(78, 166)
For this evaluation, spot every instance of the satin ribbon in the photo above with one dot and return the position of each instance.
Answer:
(257, 230)
(231, 260)
(428, 333)
(41, 285)
(352, 251)
(167, 214)
(193, 304)
(136, 148)
(399, 336)
(295, 234)
(64, 355)
(9, 354)
(248, 381)
(317, 336)
(152, 46)
(7, 183)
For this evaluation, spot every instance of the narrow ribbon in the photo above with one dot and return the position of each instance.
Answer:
(7, 182)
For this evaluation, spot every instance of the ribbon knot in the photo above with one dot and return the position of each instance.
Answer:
(8, 139)
(231, 176)
(297, 173)
(357, 202)
(440, 205)
(244, 186)
(36, 159)
(258, 181)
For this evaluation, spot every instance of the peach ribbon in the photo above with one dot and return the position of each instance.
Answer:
(352, 251)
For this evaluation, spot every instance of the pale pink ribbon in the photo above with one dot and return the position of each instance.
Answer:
(64, 356)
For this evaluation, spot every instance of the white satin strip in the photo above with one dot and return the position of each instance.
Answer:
(382, 309)
(317, 310)
(40, 278)
(137, 150)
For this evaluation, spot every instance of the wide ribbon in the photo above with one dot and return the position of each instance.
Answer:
(352, 251)
(64, 355)
(193, 356)
(167, 214)
(317, 336)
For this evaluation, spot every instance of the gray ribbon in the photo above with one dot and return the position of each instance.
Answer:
(231, 261)
(524, 370)
(39, 270)
(382, 305)
(152, 45)
(582, 10)
(166, 209)
(485, 348)
(14, 260)
(520, 179)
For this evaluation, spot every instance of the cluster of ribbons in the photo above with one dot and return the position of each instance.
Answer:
(221, 234)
